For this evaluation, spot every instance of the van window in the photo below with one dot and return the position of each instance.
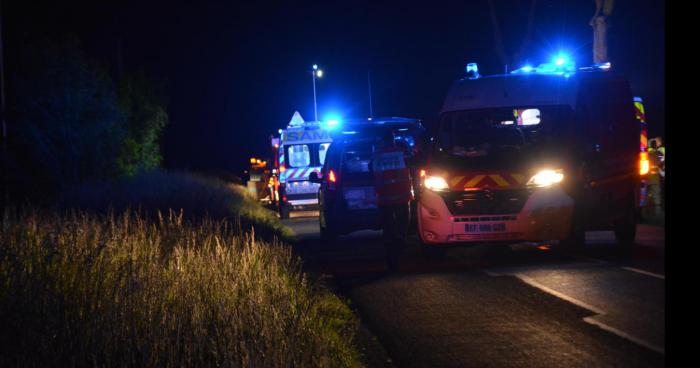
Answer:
(322, 151)
(299, 155)
(476, 133)
(357, 155)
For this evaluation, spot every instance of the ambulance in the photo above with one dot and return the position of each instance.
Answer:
(539, 155)
(302, 150)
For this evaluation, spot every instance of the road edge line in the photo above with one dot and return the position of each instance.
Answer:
(637, 270)
(591, 320)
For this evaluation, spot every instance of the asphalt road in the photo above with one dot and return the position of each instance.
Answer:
(531, 306)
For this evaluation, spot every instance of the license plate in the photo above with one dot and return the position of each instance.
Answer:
(485, 228)
(361, 198)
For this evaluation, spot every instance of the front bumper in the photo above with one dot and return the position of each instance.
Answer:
(545, 215)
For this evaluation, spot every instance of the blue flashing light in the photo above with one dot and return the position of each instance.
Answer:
(315, 66)
(473, 70)
(332, 121)
(562, 61)
(525, 69)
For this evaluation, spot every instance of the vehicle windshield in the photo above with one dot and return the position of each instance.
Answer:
(478, 133)
(358, 155)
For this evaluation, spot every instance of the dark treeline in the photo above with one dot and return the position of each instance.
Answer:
(73, 119)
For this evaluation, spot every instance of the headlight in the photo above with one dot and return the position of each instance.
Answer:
(546, 178)
(435, 183)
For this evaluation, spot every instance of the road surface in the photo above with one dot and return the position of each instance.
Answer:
(532, 306)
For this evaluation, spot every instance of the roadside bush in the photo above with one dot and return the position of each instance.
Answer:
(197, 196)
(124, 290)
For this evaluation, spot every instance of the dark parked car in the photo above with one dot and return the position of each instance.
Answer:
(347, 197)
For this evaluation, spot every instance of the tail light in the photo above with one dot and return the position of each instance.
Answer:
(332, 180)
(643, 163)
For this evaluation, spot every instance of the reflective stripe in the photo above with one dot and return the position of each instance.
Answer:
(499, 180)
(476, 180)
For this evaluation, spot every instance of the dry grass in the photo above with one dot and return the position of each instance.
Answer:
(198, 196)
(124, 290)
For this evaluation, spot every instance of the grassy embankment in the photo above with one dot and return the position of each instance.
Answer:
(81, 288)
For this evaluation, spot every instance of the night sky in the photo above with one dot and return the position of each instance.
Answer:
(236, 72)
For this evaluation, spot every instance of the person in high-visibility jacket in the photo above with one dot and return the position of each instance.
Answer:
(656, 173)
(393, 187)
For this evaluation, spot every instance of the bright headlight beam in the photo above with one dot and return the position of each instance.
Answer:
(435, 183)
(546, 178)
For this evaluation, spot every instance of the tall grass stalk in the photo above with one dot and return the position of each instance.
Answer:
(80, 289)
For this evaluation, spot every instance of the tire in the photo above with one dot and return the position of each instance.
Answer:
(626, 229)
(576, 239)
(329, 233)
(284, 212)
(393, 253)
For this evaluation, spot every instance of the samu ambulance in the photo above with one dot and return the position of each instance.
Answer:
(302, 150)
(538, 155)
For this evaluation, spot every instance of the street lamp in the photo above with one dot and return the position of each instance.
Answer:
(315, 73)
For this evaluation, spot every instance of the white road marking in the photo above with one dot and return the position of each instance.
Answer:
(559, 295)
(637, 270)
(584, 305)
(625, 335)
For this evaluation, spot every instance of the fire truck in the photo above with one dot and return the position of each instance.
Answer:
(301, 150)
(536, 155)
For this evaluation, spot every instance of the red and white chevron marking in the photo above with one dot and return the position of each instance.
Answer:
(300, 173)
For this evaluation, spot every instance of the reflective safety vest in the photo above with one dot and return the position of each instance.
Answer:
(392, 178)
(656, 163)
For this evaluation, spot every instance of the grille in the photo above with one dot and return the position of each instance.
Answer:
(487, 202)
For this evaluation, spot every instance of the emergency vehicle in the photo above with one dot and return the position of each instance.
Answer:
(538, 155)
(302, 150)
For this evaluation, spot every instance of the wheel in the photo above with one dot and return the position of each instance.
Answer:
(284, 212)
(576, 239)
(329, 233)
(393, 252)
(626, 228)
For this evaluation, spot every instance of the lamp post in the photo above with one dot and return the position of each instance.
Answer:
(316, 72)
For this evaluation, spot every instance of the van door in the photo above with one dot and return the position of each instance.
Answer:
(356, 177)
(606, 121)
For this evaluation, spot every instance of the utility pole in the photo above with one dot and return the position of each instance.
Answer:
(369, 90)
(599, 22)
(5, 174)
(316, 72)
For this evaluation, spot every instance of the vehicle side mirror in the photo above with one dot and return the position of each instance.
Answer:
(313, 177)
